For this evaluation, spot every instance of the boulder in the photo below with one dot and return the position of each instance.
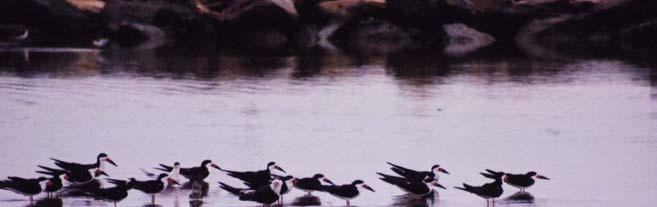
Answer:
(463, 39)
(380, 37)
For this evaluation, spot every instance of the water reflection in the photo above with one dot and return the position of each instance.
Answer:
(410, 200)
(49, 202)
(307, 200)
(520, 197)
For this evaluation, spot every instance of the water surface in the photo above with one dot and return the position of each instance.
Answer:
(589, 124)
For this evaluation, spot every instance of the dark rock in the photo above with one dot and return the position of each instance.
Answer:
(463, 39)
(379, 36)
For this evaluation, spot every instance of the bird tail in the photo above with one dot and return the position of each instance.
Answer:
(50, 171)
(466, 188)
(149, 174)
(389, 178)
(4, 184)
(230, 189)
(164, 168)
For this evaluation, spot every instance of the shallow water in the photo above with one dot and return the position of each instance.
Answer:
(589, 124)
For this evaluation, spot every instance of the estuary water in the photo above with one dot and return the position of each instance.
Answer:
(589, 124)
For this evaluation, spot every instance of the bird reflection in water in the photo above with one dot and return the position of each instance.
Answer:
(307, 200)
(410, 200)
(49, 202)
(520, 198)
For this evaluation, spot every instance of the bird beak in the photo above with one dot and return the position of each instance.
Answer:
(328, 181)
(542, 177)
(279, 168)
(439, 185)
(111, 162)
(368, 188)
(172, 181)
(100, 172)
(443, 171)
(215, 166)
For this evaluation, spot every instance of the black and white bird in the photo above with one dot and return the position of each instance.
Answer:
(24, 186)
(266, 195)
(113, 194)
(420, 189)
(77, 176)
(288, 183)
(255, 179)
(101, 161)
(53, 185)
(346, 192)
(313, 183)
(488, 191)
(418, 176)
(153, 187)
(174, 173)
(193, 173)
(523, 181)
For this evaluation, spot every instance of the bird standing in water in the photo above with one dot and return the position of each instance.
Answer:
(487, 191)
(523, 181)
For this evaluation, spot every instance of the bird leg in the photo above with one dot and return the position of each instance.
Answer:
(114, 204)
(348, 203)
(153, 199)
(309, 193)
(31, 200)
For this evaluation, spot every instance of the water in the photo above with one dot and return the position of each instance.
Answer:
(589, 124)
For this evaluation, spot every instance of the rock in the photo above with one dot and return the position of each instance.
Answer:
(49, 19)
(641, 35)
(92, 6)
(348, 8)
(237, 10)
(137, 34)
(628, 21)
(463, 39)
(379, 36)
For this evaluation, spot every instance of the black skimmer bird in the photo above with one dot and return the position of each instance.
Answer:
(23, 186)
(418, 176)
(53, 185)
(311, 184)
(195, 175)
(101, 161)
(489, 190)
(113, 194)
(265, 195)
(174, 173)
(288, 183)
(76, 176)
(523, 181)
(348, 191)
(192, 173)
(153, 187)
(420, 189)
(255, 179)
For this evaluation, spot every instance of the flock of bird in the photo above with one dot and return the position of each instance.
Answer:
(262, 186)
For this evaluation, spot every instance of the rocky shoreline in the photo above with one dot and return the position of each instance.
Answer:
(459, 27)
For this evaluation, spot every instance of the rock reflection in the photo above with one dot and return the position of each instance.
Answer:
(307, 200)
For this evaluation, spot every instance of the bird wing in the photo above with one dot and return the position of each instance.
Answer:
(407, 173)
(164, 168)
(72, 165)
(395, 180)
